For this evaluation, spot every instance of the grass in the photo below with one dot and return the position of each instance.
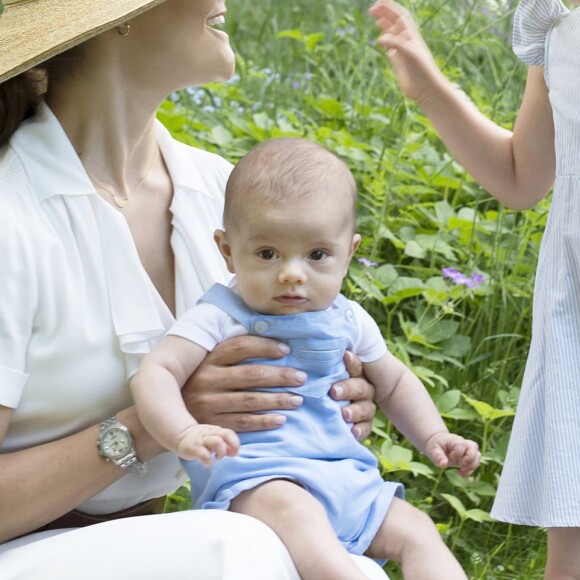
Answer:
(311, 68)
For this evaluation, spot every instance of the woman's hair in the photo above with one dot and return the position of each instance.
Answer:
(20, 96)
(19, 100)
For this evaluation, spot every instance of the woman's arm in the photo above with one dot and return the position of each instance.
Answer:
(218, 393)
(40, 484)
(516, 167)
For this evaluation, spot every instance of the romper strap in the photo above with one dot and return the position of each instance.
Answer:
(228, 301)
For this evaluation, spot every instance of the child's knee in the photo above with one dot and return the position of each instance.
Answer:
(405, 529)
(278, 496)
(419, 528)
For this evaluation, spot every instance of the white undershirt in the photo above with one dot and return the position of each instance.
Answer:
(207, 325)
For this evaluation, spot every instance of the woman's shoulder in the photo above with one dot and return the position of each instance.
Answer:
(14, 190)
(533, 21)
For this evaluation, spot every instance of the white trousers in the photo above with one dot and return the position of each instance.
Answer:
(200, 545)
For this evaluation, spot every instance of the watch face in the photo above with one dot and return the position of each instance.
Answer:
(116, 443)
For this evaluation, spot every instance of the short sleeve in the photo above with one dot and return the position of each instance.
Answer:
(206, 325)
(533, 20)
(370, 345)
(18, 298)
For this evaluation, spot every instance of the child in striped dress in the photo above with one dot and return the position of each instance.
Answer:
(539, 484)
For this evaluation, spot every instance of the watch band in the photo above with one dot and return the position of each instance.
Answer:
(129, 462)
(133, 465)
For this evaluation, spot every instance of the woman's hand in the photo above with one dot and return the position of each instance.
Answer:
(361, 393)
(220, 393)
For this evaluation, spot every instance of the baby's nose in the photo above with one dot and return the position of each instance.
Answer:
(292, 273)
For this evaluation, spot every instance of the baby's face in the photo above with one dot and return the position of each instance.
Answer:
(289, 260)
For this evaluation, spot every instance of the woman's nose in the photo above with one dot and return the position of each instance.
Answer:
(291, 273)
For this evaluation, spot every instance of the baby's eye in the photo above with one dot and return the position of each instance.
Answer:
(267, 254)
(318, 255)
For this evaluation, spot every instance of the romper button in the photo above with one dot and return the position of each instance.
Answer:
(261, 326)
(350, 316)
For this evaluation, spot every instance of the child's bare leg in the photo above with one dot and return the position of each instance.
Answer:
(563, 554)
(300, 521)
(408, 536)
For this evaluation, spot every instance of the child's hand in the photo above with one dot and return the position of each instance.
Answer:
(201, 441)
(449, 450)
(410, 57)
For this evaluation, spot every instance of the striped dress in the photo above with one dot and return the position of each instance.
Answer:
(540, 483)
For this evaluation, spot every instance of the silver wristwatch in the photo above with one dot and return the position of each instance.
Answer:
(116, 445)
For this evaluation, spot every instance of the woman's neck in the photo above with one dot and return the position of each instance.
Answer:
(109, 118)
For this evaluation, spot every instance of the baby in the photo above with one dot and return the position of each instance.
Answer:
(289, 235)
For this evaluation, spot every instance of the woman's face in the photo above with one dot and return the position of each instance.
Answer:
(184, 43)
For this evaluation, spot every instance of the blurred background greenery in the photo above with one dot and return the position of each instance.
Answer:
(446, 272)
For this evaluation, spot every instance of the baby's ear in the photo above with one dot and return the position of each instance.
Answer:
(225, 249)
(355, 244)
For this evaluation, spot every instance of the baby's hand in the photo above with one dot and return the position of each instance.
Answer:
(449, 450)
(408, 53)
(201, 441)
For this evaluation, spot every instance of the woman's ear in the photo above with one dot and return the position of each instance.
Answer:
(225, 249)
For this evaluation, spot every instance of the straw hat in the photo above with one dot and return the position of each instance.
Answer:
(31, 31)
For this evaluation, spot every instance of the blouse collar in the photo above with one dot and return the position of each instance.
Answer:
(54, 168)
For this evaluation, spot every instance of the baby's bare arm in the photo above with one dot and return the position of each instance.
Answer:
(405, 400)
(156, 390)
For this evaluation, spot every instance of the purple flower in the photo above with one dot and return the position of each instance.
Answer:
(367, 262)
(296, 85)
(459, 278)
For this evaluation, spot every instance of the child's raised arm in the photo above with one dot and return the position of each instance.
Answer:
(517, 168)
(156, 390)
(405, 401)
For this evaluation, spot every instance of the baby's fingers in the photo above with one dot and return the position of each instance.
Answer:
(223, 443)
(439, 457)
(469, 458)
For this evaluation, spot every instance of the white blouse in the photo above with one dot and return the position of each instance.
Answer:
(77, 309)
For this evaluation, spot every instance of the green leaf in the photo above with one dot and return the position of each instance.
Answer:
(413, 249)
(312, 40)
(456, 346)
(478, 515)
(440, 330)
(456, 504)
(460, 414)
(448, 400)
(366, 284)
(293, 34)
(221, 136)
(487, 412)
(385, 275)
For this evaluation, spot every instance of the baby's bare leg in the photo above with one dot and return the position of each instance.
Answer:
(408, 536)
(301, 523)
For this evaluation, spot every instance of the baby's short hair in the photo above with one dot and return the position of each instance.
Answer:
(287, 170)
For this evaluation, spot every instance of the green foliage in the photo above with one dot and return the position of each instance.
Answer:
(310, 68)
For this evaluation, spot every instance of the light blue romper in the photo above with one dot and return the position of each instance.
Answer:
(540, 482)
(315, 447)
